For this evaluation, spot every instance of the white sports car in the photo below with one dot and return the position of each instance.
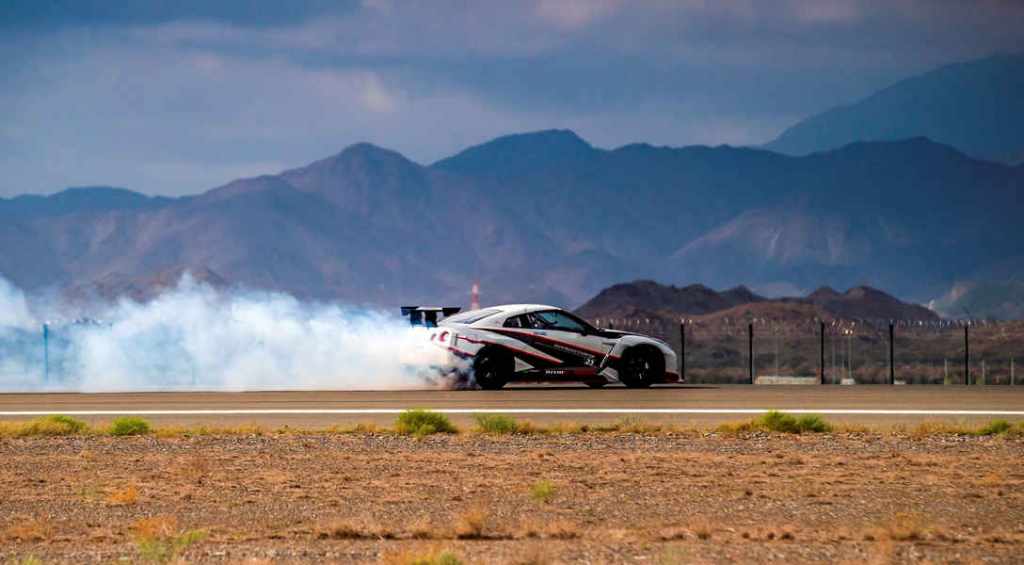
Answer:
(536, 343)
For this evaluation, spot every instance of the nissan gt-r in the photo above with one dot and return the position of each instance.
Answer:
(536, 343)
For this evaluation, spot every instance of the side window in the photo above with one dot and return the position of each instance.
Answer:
(514, 322)
(556, 320)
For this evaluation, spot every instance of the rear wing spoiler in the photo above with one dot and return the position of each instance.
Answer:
(428, 315)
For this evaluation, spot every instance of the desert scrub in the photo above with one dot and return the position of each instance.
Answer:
(780, 422)
(542, 491)
(56, 425)
(432, 558)
(496, 424)
(129, 426)
(158, 539)
(423, 423)
(995, 428)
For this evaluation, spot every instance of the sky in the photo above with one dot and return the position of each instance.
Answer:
(179, 96)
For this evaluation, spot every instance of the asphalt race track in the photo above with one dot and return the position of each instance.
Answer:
(697, 405)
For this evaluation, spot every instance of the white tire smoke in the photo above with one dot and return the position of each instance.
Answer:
(194, 337)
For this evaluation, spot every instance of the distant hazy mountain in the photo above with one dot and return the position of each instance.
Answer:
(541, 217)
(648, 299)
(977, 107)
(987, 299)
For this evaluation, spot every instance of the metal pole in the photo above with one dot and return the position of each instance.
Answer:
(46, 353)
(682, 350)
(892, 357)
(849, 356)
(821, 359)
(967, 356)
(750, 349)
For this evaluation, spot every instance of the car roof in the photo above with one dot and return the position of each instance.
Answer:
(501, 312)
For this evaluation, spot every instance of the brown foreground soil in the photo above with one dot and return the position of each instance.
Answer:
(588, 498)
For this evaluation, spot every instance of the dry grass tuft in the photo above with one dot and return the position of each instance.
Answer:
(49, 426)
(193, 469)
(472, 523)
(159, 540)
(427, 557)
(701, 529)
(347, 529)
(543, 529)
(124, 496)
(29, 530)
(905, 526)
(155, 527)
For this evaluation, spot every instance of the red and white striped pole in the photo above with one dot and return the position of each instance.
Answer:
(474, 297)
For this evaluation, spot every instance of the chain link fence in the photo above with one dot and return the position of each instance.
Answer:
(841, 351)
(733, 352)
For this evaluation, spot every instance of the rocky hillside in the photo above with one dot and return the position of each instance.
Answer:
(648, 299)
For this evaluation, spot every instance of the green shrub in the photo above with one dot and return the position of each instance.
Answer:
(775, 421)
(443, 558)
(542, 491)
(165, 549)
(56, 425)
(812, 423)
(423, 422)
(129, 426)
(496, 424)
(996, 427)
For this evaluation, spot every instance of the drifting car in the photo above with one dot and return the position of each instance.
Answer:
(537, 343)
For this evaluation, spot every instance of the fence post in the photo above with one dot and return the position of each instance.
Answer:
(46, 353)
(750, 349)
(892, 354)
(821, 358)
(967, 356)
(682, 350)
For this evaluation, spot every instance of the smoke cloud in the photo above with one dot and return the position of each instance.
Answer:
(197, 337)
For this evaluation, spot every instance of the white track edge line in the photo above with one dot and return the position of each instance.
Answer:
(372, 411)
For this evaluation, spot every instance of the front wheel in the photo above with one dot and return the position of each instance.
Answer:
(640, 366)
(492, 369)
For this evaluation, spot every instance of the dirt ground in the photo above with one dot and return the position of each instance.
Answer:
(575, 498)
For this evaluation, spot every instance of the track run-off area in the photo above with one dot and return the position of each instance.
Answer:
(685, 405)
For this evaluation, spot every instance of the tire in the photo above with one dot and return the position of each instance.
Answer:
(492, 368)
(640, 366)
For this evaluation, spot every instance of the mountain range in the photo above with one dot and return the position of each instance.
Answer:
(975, 106)
(649, 300)
(542, 216)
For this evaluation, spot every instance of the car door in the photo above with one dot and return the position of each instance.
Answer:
(568, 338)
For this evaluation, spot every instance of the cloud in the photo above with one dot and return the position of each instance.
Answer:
(575, 14)
(172, 98)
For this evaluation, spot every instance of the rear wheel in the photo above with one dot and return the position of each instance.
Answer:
(640, 366)
(492, 368)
